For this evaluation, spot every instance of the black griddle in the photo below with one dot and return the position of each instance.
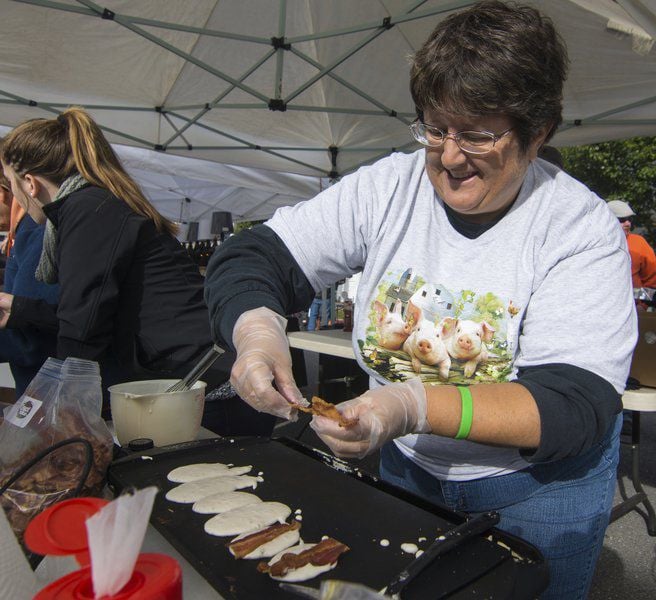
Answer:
(339, 501)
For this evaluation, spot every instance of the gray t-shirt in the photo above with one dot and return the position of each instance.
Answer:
(549, 283)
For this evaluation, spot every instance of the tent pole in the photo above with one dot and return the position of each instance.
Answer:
(334, 64)
(597, 117)
(346, 84)
(280, 51)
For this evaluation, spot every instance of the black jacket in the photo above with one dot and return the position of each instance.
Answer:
(130, 297)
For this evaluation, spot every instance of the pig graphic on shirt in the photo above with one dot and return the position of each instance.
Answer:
(466, 341)
(425, 344)
(391, 328)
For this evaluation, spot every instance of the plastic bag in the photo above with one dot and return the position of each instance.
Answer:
(60, 408)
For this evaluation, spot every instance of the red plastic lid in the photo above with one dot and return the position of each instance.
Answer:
(60, 529)
(155, 577)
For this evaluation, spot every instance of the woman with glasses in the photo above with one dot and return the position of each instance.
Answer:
(493, 315)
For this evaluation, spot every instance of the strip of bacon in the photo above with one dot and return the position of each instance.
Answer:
(247, 544)
(326, 409)
(326, 552)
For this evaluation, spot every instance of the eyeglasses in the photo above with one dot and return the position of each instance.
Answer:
(623, 219)
(471, 142)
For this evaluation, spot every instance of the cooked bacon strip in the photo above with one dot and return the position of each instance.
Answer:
(247, 544)
(326, 552)
(326, 409)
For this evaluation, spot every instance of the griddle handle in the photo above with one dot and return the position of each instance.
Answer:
(451, 539)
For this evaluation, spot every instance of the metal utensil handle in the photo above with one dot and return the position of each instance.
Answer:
(303, 591)
(197, 372)
(451, 539)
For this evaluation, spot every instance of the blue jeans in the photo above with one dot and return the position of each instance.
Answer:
(562, 507)
(315, 313)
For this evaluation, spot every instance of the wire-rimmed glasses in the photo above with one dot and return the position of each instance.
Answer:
(471, 142)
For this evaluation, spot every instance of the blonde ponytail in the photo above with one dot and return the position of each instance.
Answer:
(98, 164)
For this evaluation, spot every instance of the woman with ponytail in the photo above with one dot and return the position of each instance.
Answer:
(130, 297)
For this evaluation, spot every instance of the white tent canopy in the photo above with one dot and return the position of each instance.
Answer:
(287, 92)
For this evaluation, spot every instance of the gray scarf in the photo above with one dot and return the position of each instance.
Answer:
(46, 270)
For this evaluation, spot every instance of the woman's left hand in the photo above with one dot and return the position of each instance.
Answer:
(5, 308)
(383, 414)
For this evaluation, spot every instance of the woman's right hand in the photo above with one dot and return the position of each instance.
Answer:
(263, 359)
(6, 301)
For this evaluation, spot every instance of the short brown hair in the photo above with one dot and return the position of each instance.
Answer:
(494, 58)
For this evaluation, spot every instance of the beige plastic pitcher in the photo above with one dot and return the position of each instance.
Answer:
(143, 409)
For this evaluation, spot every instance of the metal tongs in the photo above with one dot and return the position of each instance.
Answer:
(197, 372)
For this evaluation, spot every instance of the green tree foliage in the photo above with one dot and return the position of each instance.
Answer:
(246, 225)
(620, 170)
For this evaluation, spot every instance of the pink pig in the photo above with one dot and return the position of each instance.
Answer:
(465, 341)
(391, 328)
(425, 345)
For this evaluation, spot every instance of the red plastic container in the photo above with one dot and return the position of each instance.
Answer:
(60, 530)
(155, 577)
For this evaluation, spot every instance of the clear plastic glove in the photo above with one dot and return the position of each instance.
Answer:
(383, 414)
(262, 358)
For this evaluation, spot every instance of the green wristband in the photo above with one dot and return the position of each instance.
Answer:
(467, 415)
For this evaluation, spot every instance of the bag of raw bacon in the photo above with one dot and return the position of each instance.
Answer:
(53, 442)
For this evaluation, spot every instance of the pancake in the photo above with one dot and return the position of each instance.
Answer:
(223, 502)
(197, 471)
(247, 518)
(193, 491)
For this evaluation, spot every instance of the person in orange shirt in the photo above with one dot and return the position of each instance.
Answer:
(643, 259)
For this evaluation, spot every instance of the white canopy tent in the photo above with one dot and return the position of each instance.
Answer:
(247, 105)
